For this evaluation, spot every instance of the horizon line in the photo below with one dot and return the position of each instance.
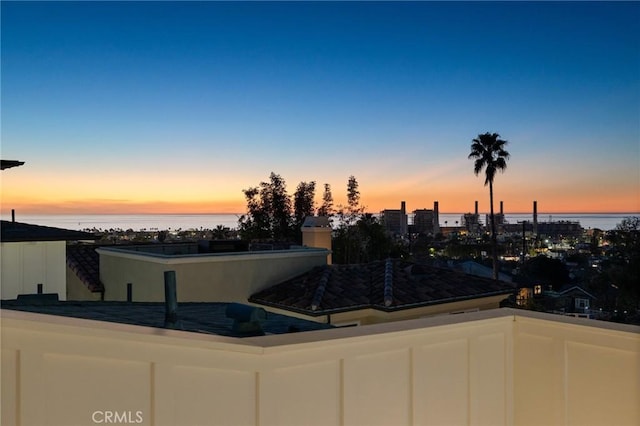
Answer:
(240, 214)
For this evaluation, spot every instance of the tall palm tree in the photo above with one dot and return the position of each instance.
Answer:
(488, 152)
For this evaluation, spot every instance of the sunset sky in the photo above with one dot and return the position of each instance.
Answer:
(169, 107)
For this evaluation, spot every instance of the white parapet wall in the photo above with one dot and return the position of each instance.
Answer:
(500, 367)
(223, 277)
(25, 264)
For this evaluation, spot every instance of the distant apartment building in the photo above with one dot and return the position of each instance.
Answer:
(396, 221)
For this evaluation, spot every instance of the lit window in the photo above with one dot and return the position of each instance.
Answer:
(582, 303)
(537, 289)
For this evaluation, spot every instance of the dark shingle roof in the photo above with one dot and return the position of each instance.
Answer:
(209, 318)
(385, 285)
(84, 261)
(16, 231)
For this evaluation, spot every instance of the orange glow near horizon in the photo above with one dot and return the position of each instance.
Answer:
(372, 203)
(455, 191)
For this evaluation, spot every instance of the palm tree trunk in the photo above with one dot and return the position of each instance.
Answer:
(494, 241)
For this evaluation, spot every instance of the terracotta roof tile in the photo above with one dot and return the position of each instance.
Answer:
(84, 261)
(386, 285)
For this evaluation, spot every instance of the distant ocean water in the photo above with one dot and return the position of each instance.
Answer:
(604, 221)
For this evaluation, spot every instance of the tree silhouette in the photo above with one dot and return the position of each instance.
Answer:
(489, 154)
(326, 209)
(268, 211)
(303, 202)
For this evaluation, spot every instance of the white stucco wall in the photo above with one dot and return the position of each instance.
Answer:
(27, 264)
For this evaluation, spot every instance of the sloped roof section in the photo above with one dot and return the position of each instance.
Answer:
(17, 231)
(388, 285)
(84, 261)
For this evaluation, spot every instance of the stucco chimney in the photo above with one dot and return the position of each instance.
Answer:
(316, 232)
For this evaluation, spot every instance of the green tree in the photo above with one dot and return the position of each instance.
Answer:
(304, 202)
(346, 241)
(255, 224)
(220, 232)
(365, 241)
(489, 154)
(622, 266)
(544, 270)
(268, 211)
(326, 209)
(350, 213)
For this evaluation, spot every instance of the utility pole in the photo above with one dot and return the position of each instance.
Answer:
(524, 240)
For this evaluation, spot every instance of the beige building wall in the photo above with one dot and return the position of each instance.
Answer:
(500, 367)
(226, 277)
(24, 265)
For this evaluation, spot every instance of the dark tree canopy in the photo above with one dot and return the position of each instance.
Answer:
(488, 152)
(546, 271)
(351, 213)
(622, 267)
(304, 202)
(268, 211)
(326, 209)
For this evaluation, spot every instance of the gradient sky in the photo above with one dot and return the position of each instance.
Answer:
(169, 107)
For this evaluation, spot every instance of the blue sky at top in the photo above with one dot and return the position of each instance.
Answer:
(387, 91)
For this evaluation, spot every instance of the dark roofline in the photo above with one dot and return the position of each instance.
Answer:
(562, 293)
(12, 232)
(7, 164)
(378, 307)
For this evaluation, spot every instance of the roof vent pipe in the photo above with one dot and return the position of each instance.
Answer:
(13, 215)
(170, 300)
